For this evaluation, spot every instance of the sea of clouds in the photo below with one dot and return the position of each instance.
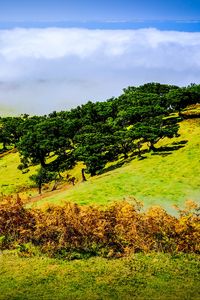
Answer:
(48, 69)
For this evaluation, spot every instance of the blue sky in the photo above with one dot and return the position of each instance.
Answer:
(55, 55)
(101, 10)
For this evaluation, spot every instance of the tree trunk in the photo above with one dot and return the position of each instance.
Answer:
(73, 180)
(42, 162)
(83, 175)
(4, 146)
(55, 185)
(92, 173)
(139, 149)
(152, 147)
(40, 188)
(125, 155)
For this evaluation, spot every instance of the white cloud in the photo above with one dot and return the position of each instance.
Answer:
(57, 43)
(55, 68)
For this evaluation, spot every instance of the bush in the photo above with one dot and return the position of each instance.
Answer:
(72, 231)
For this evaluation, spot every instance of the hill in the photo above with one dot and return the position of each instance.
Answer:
(164, 173)
(168, 176)
(142, 144)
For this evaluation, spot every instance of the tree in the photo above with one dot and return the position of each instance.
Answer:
(180, 98)
(4, 137)
(135, 106)
(123, 142)
(11, 130)
(43, 176)
(49, 143)
(153, 88)
(91, 149)
(96, 133)
(153, 129)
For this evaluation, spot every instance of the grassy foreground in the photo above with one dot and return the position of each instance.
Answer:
(152, 276)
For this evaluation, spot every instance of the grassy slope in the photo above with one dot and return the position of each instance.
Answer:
(158, 179)
(164, 180)
(154, 276)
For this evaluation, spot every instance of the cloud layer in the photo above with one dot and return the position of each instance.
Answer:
(57, 68)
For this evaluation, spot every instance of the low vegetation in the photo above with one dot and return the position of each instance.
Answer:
(70, 252)
(115, 231)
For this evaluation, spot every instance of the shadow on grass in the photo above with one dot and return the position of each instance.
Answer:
(167, 150)
(162, 151)
(119, 164)
(113, 167)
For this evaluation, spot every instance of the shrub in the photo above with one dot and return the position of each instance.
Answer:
(72, 231)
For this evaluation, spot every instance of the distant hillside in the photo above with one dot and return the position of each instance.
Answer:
(7, 110)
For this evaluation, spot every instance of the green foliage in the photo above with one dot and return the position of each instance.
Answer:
(123, 142)
(11, 130)
(153, 87)
(51, 136)
(95, 130)
(154, 129)
(92, 149)
(179, 99)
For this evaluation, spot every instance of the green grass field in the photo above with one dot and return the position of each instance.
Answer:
(165, 178)
(153, 276)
